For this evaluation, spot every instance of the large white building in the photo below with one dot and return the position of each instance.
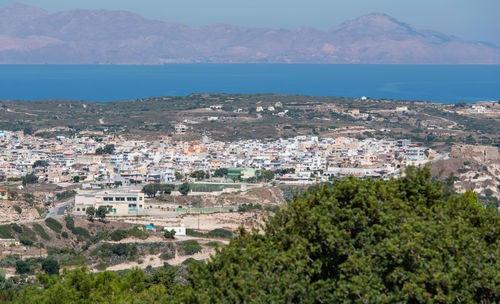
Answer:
(120, 202)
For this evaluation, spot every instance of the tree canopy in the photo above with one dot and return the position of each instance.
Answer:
(352, 241)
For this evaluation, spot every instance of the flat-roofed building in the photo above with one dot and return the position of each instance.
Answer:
(120, 202)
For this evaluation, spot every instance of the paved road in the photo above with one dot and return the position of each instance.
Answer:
(59, 209)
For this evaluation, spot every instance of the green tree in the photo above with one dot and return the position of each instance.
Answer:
(50, 266)
(184, 188)
(30, 178)
(40, 163)
(101, 212)
(22, 267)
(169, 234)
(91, 213)
(361, 241)
(178, 176)
(220, 172)
(76, 179)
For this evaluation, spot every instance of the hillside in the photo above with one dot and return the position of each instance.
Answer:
(404, 240)
(31, 35)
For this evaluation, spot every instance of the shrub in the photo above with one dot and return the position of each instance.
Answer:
(213, 244)
(167, 256)
(80, 231)
(25, 241)
(41, 232)
(6, 232)
(190, 261)
(50, 266)
(189, 247)
(192, 232)
(18, 209)
(22, 267)
(16, 228)
(53, 224)
(64, 234)
(102, 266)
(220, 233)
(70, 223)
(28, 233)
(118, 235)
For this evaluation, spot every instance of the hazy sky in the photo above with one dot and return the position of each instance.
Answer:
(468, 19)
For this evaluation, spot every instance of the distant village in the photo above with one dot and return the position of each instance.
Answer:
(97, 162)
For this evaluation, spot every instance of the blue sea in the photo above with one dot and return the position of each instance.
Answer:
(438, 83)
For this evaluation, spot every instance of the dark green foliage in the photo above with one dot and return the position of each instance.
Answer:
(25, 241)
(22, 267)
(118, 235)
(64, 234)
(169, 234)
(249, 207)
(108, 149)
(220, 172)
(189, 247)
(101, 212)
(18, 209)
(70, 223)
(356, 241)
(53, 224)
(50, 266)
(65, 194)
(90, 212)
(362, 241)
(6, 232)
(16, 228)
(81, 231)
(199, 175)
(167, 256)
(190, 261)
(41, 232)
(184, 188)
(152, 189)
(220, 233)
(30, 178)
(28, 233)
(40, 163)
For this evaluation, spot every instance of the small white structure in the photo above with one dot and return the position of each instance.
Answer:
(178, 230)
(180, 128)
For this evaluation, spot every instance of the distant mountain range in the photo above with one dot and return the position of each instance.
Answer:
(31, 35)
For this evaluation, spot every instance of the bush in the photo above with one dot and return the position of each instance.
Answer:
(64, 234)
(102, 266)
(28, 233)
(53, 224)
(6, 232)
(25, 241)
(220, 233)
(50, 266)
(22, 267)
(70, 223)
(80, 231)
(18, 209)
(16, 228)
(118, 235)
(190, 261)
(189, 247)
(65, 194)
(167, 256)
(41, 232)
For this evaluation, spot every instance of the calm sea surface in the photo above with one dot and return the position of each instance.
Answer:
(442, 83)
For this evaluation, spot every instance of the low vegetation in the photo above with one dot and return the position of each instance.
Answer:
(405, 240)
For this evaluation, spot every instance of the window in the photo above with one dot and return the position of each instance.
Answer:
(77, 209)
(83, 209)
(140, 206)
(119, 199)
(140, 198)
(132, 205)
(131, 199)
(108, 199)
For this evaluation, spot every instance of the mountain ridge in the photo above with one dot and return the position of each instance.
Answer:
(30, 34)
